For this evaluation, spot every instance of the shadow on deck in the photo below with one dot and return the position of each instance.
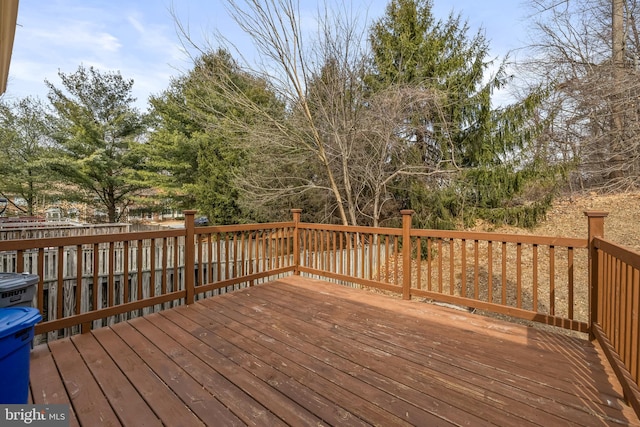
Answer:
(306, 352)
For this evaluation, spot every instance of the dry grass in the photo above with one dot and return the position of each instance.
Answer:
(519, 289)
(567, 219)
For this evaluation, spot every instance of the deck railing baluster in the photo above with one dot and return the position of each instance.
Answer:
(74, 272)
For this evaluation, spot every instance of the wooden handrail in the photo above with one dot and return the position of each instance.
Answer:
(614, 302)
(595, 229)
(406, 253)
(189, 255)
(296, 241)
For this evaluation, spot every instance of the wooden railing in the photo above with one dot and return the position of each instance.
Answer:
(542, 279)
(586, 285)
(615, 306)
(91, 281)
(228, 257)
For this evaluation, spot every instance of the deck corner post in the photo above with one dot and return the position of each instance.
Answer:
(595, 229)
(406, 253)
(296, 241)
(189, 256)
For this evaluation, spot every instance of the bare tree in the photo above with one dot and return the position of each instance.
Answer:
(333, 136)
(587, 53)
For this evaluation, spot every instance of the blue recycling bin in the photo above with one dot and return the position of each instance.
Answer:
(16, 334)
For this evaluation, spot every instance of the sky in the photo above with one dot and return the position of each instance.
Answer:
(138, 38)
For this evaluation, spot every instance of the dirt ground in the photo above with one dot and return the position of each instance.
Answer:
(567, 218)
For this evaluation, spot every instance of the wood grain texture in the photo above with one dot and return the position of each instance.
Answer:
(306, 352)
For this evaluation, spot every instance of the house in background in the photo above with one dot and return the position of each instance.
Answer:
(8, 21)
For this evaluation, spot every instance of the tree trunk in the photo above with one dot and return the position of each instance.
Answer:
(617, 55)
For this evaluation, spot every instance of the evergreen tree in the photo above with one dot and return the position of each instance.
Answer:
(480, 155)
(193, 153)
(24, 147)
(96, 130)
(171, 150)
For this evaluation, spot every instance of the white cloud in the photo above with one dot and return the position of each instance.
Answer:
(135, 23)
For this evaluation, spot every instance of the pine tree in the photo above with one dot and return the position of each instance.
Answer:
(96, 130)
(23, 145)
(481, 156)
(193, 153)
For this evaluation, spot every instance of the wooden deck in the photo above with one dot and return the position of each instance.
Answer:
(305, 352)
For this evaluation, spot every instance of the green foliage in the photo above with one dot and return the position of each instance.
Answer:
(23, 146)
(171, 150)
(194, 153)
(482, 158)
(96, 131)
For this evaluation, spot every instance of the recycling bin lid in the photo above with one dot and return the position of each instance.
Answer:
(15, 319)
(10, 281)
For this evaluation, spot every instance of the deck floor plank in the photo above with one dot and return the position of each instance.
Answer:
(46, 388)
(397, 399)
(286, 409)
(89, 403)
(343, 388)
(329, 411)
(305, 352)
(197, 399)
(240, 403)
(160, 398)
(385, 368)
(130, 407)
(415, 346)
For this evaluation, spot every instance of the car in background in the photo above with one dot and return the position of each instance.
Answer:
(201, 221)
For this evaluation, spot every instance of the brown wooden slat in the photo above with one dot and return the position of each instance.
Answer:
(125, 272)
(476, 269)
(175, 343)
(138, 272)
(85, 395)
(463, 269)
(130, 408)
(60, 284)
(40, 290)
(164, 403)
(19, 261)
(534, 290)
(429, 266)
(490, 271)
(570, 282)
(519, 275)
(440, 267)
(96, 283)
(635, 328)
(552, 280)
(45, 385)
(152, 268)
(503, 301)
(202, 403)
(111, 279)
(79, 279)
(452, 266)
